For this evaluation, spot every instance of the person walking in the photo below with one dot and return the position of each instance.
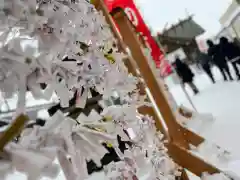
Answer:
(219, 60)
(185, 73)
(236, 42)
(204, 61)
(231, 52)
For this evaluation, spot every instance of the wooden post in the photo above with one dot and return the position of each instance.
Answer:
(176, 150)
(189, 161)
(191, 137)
(131, 40)
(100, 6)
(132, 66)
(14, 130)
(129, 63)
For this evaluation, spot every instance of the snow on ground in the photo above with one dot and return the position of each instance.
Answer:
(222, 100)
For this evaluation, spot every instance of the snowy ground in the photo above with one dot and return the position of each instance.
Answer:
(222, 100)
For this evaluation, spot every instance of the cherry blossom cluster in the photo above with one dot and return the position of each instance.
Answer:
(59, 46)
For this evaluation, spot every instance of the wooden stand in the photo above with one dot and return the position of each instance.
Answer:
(179, 137)
(130, 63)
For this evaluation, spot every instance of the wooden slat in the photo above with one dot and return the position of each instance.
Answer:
(100, 6)
(13, 131)
(134, 45)
(176, 150)
(187, 160)
(150, 111)
(129, 62)
(191, 137)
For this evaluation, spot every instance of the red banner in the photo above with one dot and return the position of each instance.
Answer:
(135, 17)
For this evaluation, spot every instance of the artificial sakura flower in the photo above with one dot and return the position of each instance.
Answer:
(39, 46)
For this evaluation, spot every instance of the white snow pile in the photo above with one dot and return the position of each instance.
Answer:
(219, 176)
(220, 158)
(198, 122)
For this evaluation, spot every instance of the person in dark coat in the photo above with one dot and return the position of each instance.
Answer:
(185, 73)
(219, 60)
(204, 60)
(231, 51)
(236, 42)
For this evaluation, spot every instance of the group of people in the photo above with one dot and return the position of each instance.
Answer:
(219, 55)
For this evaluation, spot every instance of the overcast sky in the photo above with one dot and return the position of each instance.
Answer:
(207, 12)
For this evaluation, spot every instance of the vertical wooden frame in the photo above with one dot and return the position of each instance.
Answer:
(129, 62)
(100, 6)
(13, 130)
(189, 161)
(177, 147)
(131, 40)
(189, 136)
(179, 154)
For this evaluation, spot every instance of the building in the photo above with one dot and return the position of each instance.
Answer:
(182, 35)
(230, 21)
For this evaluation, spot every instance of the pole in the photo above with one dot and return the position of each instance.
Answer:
(182, 86)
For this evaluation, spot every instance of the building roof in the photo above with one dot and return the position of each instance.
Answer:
(174, 43)
(186, 28)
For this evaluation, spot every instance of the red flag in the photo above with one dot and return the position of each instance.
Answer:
(135, 17)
